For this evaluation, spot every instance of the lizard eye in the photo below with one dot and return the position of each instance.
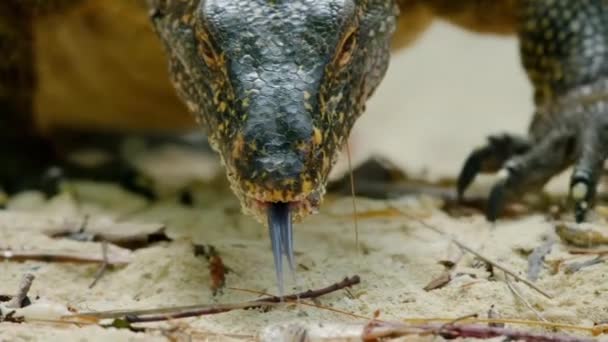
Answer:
(347, 48)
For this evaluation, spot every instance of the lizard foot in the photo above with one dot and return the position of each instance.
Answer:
(571, 132)
(490, 158)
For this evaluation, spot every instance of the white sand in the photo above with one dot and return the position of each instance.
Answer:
(425, 85)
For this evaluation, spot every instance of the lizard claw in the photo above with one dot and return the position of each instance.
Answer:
(527, 168)
(589, 164)
(579, 192)
(496, 200)
(472, 166)
(489, 158)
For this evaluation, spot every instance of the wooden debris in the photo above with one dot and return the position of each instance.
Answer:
(104, 264)
(116, 256)
(164, 314)
(24, 287)
(477, 254)
(597, 251)
(537, 258)
(377, 330)
(453, 255)
(580, 234)
(442, 280)
(18, 301)
(519, 296)
(577, 266)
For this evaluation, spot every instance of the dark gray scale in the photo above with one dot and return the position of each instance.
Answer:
(564, 48)
(564, 44)
(278, 85)
(275, 55)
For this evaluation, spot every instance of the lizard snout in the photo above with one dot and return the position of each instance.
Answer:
(277, 170)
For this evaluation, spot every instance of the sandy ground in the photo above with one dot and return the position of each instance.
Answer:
(439, 100)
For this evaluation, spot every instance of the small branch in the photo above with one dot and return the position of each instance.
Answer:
(62, 256)
(577, 266)
(442, 280)
(575, 250)
(576, 234)
(523, 300)
(24, 288)
(477, 254)
(377, 330)
(195, 311)
(537, 258)
(104, 264)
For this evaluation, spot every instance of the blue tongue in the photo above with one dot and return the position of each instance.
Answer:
(281, 237)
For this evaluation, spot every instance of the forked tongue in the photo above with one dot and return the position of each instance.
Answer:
(281, 236)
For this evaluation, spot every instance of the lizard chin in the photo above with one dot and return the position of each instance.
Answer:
(300, 205)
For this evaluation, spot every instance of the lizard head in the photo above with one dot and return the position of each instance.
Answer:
(277, 85)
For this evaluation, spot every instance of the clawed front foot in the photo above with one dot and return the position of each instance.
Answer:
(576, 134)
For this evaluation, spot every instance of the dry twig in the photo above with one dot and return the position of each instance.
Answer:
(522, 299)
(575, 250)
(163, 314)
(62, 256)
(577, 266)
(376, 330)
(442, 280)
(537, 258)
(574, 234)
(24, 288)
(104, 264)
(477, 254)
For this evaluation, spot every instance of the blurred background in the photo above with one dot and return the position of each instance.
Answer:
(441, 98)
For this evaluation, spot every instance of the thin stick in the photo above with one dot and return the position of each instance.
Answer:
(537, 258)
(503, 320)
(523, 300)
(575, 250)
(377, 330)
(477, 254)
(418, 320)
(352, 191)
(314, 305)
(195, 311)
(104, 265)
(460, 319)
(577, 266)
(59, 256)
(24, 288)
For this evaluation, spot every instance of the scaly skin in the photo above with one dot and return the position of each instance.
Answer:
(278, 85)
(564, 48)
(279, 91)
